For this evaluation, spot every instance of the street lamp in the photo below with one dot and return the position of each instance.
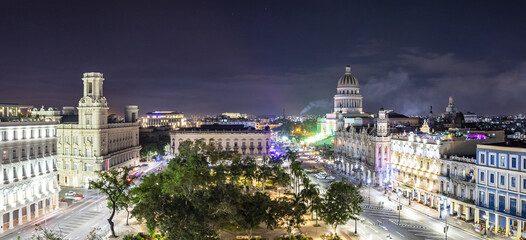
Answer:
(440, 209)
(369, 182)
(399, 205)
(445, 221)
(486, 223)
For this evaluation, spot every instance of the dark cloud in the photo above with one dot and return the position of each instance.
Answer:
(261, 57)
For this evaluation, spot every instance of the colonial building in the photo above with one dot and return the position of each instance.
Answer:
(433, 168)
(164, 118)
(501, 188)
(91, 143)
(364, 151)
(245, 140)
(28, 168)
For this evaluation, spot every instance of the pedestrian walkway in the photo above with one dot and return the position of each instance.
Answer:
(452, 221)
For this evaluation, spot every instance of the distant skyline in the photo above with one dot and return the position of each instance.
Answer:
(260, 57)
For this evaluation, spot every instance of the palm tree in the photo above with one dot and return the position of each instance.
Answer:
(297, 173)
(311, 193)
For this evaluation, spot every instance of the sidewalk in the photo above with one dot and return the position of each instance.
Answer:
(452, 221)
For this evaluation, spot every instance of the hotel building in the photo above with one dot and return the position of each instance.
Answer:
(29, 186)
(501, 188)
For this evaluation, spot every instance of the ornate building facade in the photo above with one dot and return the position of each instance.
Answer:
(93, 144)
(437, 170)
(28, 168)
(244, 140)
(364, 151)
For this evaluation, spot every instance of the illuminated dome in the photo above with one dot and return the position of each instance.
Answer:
(348, 80)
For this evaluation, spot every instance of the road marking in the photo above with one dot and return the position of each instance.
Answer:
(400, 234)
(372, 228)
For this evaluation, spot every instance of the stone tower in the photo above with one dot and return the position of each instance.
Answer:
(93, 108)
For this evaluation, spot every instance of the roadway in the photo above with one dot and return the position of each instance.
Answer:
(76, 219)
(380, 218)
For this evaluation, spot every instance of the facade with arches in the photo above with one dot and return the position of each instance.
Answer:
(28, 169)
(364, 151)
(438, 170)
(246, 141)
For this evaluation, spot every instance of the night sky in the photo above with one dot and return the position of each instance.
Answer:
(258, 57)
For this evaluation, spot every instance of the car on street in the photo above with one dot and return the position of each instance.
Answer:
(71, 193)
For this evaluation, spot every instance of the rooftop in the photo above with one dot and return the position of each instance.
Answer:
(515, 144)
(219, 128)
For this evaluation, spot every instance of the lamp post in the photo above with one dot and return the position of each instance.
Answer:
(445, 219)
(369, 182)
(486, 223)
(399, 205)
(440, 207)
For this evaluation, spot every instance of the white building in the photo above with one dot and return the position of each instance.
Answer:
(347, 104)
(364, 151)
(244, 140)
(427, 168)
(29, 186)
(93, 144)
(164, 118)
(501, 188)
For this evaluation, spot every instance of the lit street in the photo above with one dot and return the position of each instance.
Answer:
(379, 222)
(77, 220)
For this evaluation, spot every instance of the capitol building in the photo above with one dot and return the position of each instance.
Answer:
(347, 105)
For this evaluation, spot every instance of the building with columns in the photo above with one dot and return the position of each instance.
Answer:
(29, 186)
(501, 188)
(436, 169)
(364, 151)
(245, 140)
(91, 143)
(347, 105)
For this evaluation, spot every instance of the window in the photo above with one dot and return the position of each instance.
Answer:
(491, 201)
(482, 176)
(4, 137)
(481, 198)
(66, 165)
(514, 162)
(524, 183)
(502, 161)
(492, 159)
(4, 155)
(502, 203)
(513, 206)
(524, 163)
(523, 212)
(513, 182)
(482, 158)
(88, 167)
(492, 178)
(75, 166)
(502, 180)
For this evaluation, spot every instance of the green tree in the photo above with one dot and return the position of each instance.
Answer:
(114, 183)
(125, 202)
(297, 173)
(290, 212)
(341, 204)
(252, 211)
(311, 193)
(43, 233)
